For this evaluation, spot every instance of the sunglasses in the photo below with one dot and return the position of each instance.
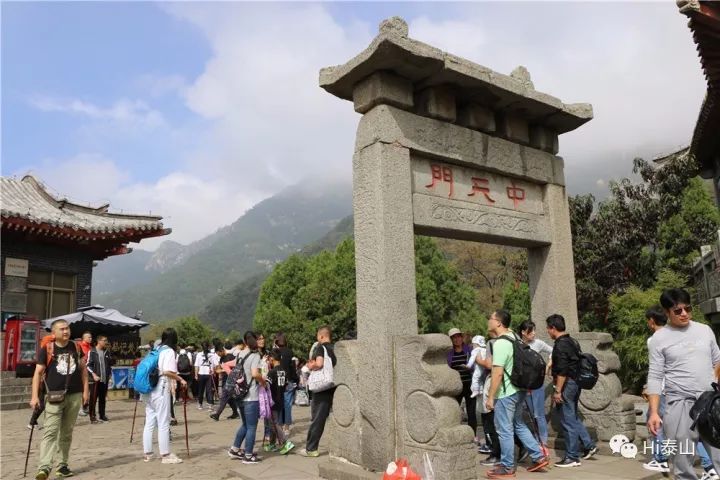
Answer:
(679, 310)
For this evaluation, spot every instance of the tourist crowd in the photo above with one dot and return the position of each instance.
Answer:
(504, 379)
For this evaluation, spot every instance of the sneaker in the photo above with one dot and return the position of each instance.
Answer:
(710, 474)
(484, 448)
(287, 447)
(309, 453)
(251, 459)
(105, 419)
(491, 461)
(539, 464)
(523, 454)
(63, 472)
(233, 416)
(82, 413)
(501, 472)
(148, 456)
(42, 474)
(655, 466)
(589, 453)
(200, 407)
(568, 462)
(270, 447)
(236, 454)
(173, 422)
(171, 459)
(215, 417)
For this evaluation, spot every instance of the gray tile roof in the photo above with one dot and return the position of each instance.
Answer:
(28, 200)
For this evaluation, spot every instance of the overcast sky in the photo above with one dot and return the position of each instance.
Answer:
(197, 111)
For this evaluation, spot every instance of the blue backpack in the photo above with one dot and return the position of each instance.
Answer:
(147, 374)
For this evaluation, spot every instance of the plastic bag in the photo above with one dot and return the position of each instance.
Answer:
(427, 465)
(400, 470)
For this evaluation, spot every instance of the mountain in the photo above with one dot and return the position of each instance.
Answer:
(266, 234)
(235, 308)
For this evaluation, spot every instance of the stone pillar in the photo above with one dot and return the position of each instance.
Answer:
(385, 273)
(551, 269)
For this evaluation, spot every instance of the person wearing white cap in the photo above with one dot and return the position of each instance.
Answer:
(458, 359)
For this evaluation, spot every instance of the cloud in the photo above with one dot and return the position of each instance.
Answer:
(157, 85)
(193, 207)
(124, 111)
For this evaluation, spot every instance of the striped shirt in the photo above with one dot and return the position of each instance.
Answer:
(458, 362)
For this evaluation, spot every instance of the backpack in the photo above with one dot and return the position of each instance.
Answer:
(183, 364)
(587, 370)
(147, 375)
(237, 385)
(528, 372)
(706, 416)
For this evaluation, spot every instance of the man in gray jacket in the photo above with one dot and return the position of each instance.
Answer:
(684, 353)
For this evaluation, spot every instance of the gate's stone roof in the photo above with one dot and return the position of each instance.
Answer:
(425, 66)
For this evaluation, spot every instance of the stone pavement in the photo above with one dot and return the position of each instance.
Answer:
(103, 451)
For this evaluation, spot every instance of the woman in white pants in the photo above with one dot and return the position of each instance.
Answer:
(157, 402)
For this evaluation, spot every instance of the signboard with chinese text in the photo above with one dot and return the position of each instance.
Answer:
(475, 186)
(479, 204)
(16, 267)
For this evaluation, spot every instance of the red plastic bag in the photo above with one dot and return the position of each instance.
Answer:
(400, 470)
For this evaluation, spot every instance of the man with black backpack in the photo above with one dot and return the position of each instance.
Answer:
(510, 360)
(566, 371)
(686, 356)
(185, 364)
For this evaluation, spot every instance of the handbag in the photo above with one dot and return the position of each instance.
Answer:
(321, 380)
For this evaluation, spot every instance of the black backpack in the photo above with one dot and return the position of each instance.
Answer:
(237, 385)
(184, 365)
(528, 370)
(706, 416)
(587, 370)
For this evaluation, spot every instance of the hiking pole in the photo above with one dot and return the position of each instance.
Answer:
(33, 422)
(132, 430)
(185, 397)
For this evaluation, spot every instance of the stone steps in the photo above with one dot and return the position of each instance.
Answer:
(15, 393)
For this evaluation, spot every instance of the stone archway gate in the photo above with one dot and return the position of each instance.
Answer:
(446, 148)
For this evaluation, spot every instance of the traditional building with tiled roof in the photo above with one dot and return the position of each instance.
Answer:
(49, 246)
(705, 144)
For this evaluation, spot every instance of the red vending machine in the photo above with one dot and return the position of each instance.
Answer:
(22, 338)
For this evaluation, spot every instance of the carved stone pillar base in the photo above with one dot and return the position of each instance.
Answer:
(428, 417)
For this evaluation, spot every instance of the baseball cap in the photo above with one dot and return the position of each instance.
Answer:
(454, 331)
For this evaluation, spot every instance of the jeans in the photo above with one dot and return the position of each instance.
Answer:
(250, 413)
(469, 406)
(537, 400)
(572, 426)
(319, 411)
(657, 440)
(508, 423)
(57, 436)
(157, 414)
(705, 459)
(289, 399)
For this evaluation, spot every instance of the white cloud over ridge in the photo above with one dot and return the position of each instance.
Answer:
(262, 122)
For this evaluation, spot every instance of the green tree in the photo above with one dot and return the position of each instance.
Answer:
(659, 222)
(304, 293)
(516, 300)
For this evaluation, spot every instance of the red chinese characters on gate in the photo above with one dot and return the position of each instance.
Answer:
(442, 176)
